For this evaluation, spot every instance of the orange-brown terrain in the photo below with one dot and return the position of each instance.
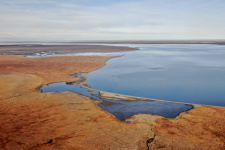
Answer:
(27, 49)
(66, 120)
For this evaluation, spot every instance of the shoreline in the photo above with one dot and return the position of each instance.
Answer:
(207, 41)
(59, 49)
(29, 118)
(107, 99)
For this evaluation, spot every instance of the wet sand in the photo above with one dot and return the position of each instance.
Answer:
(66, 120)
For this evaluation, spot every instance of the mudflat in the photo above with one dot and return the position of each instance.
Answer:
(66, 120)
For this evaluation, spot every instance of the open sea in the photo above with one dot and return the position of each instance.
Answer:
(190, 73)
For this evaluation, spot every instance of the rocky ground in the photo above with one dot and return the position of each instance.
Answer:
(66, 120)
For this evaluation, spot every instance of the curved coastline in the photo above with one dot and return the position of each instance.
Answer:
(113, 102)
(72, 121)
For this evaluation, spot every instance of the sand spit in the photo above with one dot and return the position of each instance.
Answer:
(66, 120)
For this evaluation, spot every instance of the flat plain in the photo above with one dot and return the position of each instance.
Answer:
(66, 120)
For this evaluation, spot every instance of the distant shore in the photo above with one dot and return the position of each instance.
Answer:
(129, 41)
(26, 49)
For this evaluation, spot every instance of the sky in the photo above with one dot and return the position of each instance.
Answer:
(71, 20)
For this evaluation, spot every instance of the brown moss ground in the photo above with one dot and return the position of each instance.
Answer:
(51, 69)
(200, 128)
(72, 121)
(28, 119)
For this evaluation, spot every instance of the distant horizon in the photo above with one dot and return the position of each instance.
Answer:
(102, 41)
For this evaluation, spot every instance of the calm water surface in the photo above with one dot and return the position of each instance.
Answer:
(190, 73)
(122, 108)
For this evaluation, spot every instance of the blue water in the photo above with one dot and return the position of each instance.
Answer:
(190, 73)
(122, 108)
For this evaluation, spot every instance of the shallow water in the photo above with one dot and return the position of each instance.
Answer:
(121, 108)
(190, 73)
(125, 109)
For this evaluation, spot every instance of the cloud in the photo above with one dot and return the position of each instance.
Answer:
(111, 19)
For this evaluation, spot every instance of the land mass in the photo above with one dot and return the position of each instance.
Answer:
(66, 120)
(29, 49)
(222, 41)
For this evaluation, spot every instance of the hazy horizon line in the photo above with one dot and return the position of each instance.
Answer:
(103, 41)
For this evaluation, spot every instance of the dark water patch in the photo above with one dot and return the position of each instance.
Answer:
(119, 107)
(125, 109)
(68, 86)
(50, 141)
(70, 83)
